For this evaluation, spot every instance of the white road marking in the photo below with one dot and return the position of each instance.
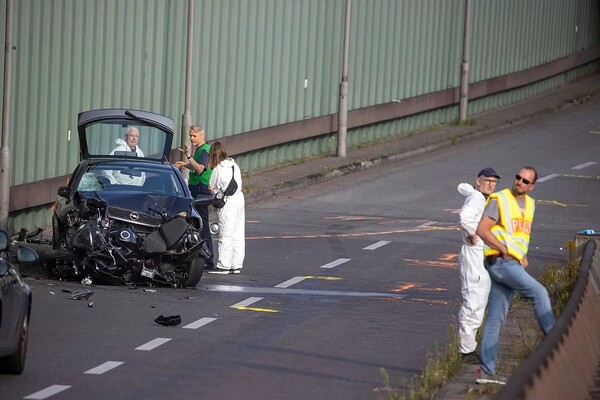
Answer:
(247, 302)
(584, 165)
(335, 263)
(200, 323)
(102, 368)
(291, 282)
(377, 245)
(547, 177)
(49, 391)
(426, 224)
(154, 343)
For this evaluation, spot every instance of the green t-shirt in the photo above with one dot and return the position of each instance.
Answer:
(201, 157)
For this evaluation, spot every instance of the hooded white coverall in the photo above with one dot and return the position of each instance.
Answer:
(231, 218)
(116, 177)
(474, 278)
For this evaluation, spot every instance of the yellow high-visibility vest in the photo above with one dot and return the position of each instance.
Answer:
(513, 228)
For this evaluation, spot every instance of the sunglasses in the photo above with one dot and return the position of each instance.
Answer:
(520, 178)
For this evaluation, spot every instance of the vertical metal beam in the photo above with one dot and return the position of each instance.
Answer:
(464, 76)
(5, 159)
(343, 109)
(186, 118)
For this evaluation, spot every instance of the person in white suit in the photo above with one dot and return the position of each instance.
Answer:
(231, 218)
(474, 278)
(129, 144)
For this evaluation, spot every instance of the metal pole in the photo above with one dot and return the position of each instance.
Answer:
(5, 159)
(464, 76)
(186, 118)
(343, 110)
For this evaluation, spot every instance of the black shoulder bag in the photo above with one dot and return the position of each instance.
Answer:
(220, 198)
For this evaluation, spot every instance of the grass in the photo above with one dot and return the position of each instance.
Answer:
(558, 278)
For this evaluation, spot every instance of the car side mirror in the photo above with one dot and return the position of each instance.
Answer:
(26, 255)
(3, 240)
(64, 191)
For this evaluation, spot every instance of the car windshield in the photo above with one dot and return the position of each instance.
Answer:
(125, 138)
(132, 177)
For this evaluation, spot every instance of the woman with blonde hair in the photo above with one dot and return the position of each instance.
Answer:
(232, 218)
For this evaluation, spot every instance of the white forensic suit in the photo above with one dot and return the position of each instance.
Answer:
(232, 217)
(118, 178)
(474, 278)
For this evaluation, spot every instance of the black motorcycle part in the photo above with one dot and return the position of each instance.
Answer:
(173, 230)
(154, 243)
(194, 274)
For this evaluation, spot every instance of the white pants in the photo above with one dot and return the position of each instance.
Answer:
(232, 233)
(475, 288)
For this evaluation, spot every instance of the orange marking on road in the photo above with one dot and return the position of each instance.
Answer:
(410, 285)
(331, 235)
(450, 256)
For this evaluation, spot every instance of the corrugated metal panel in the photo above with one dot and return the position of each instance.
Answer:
(514, 35)
(401, 49)
(264, 63)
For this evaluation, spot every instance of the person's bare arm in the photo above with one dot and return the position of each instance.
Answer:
(485, 233)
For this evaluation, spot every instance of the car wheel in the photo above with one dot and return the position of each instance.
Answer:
(194, 273)
(15, 363)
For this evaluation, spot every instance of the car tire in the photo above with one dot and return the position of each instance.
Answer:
(194, 273)
(15, 363)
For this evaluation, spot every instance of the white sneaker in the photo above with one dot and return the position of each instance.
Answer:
(235, 271)
(483, 377)
(218, 271)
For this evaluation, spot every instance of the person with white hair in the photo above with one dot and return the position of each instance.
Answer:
(127, 146)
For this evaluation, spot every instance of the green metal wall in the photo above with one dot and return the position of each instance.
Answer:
(260, 63)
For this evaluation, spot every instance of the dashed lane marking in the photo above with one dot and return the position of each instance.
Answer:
(247, 302)
(298, 279)
(154, 343)
(377, 245)
(243, 305)
(547, 178)
(48, 392)
(584, 165)
(199, 323)
(102, 368)
(335, 263)
(291, 282)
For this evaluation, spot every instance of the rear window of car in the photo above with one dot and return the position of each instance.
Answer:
(125, 138)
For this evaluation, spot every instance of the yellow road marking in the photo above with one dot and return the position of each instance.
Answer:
(326, 278)
(596, 132)
(256, 309)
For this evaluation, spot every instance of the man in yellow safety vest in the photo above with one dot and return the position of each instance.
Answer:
(505, 228)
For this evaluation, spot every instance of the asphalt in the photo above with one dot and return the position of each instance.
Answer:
(279, 181)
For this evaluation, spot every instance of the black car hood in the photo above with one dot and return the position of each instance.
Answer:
(145, 203)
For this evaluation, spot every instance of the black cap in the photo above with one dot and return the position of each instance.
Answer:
(487, 172)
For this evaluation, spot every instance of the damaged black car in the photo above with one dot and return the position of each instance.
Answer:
(126, 214)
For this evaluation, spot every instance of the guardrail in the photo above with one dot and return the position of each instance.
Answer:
(564, 365)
